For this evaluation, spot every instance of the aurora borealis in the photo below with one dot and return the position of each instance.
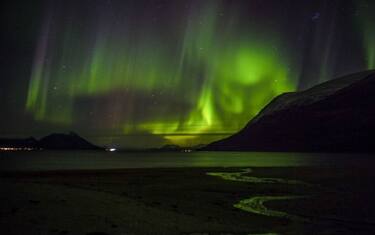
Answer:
(148, 73)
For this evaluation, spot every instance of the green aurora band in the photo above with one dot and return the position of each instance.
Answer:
(199, 76)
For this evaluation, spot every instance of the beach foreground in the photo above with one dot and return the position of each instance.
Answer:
(283, 200)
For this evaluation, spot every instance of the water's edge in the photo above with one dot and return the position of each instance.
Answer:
(255, 204)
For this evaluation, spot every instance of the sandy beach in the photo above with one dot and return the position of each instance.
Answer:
(186, 201)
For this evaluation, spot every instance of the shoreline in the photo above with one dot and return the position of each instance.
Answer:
(181, 201)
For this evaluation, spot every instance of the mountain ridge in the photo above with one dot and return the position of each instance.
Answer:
(334, 116)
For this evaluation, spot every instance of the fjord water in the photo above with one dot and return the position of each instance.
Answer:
(82, 160)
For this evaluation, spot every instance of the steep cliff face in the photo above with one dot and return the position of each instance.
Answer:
(335, 116)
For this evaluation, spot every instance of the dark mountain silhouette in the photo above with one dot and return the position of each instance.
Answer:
(70, 141)
(65, 141)
(335, 116)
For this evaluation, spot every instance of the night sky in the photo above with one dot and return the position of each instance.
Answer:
(148, 73)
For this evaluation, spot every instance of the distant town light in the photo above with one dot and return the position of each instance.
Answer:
(112, 149)
(16, 149)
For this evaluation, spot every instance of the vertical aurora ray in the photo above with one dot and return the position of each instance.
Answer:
(36, 99)
(201, 74)
(367, 24)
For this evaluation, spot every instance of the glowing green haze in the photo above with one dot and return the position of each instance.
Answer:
(199, 74)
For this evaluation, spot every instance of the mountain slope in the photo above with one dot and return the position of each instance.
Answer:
(65, 141)
(335, 116)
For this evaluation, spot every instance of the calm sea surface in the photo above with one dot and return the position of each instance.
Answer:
(74, 160)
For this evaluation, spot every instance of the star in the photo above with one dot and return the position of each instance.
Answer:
(316, 16)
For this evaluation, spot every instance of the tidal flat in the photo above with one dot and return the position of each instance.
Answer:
(331, 200)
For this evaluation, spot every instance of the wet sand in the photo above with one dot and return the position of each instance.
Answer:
(189, 201)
